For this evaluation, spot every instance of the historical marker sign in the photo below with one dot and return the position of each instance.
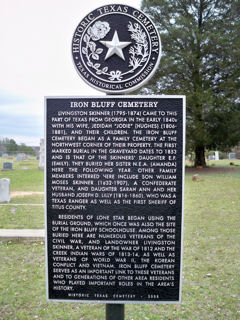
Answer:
(114, 185)
(116, 48)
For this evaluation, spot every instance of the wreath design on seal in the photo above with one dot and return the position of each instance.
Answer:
(138, 52)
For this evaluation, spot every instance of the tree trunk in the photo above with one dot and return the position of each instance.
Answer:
(200, 156)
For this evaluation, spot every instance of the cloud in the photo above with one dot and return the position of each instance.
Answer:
(9, 98)
(20, 124)
(36, 61)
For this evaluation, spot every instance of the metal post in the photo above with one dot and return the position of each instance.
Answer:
(114, 311)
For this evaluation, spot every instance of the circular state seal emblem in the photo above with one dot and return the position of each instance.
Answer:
(116, 48)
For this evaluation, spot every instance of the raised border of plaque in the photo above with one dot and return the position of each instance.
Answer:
(48, 227)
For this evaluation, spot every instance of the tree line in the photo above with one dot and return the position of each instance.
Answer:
(10, 146)
(200, 59)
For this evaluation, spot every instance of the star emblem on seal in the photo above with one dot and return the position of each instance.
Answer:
(116, 48)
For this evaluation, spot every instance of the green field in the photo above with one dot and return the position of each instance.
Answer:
(25, 175)
(23, 212)
(210, 260)
(22, 216)
(218, 163)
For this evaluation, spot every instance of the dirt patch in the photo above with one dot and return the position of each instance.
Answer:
(25, 193)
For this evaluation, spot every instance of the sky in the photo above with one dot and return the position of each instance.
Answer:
(36, 61)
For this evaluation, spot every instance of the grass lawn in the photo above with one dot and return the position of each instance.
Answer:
(25, 175)
(13, 216)
(223, 163)
(210, 263)
(218, 163)
(22, 217)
